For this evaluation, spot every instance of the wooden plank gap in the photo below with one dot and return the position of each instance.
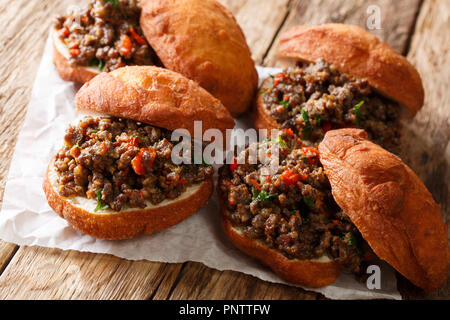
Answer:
(275, 36)
(6, 258)
(177, 280)
(413, 28)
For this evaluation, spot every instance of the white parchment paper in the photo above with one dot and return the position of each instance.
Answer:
(27, 219)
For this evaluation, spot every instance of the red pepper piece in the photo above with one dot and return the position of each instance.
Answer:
(234, 164)
(139, 40)
(290, 177)
(126, 45)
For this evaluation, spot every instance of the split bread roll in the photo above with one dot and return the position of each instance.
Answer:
(395, 215)
(147, 95)
(61, 61)
(199, 39)
(356, 52)
(312, 273)
(389, 204)
(350, 51)
(128, 223)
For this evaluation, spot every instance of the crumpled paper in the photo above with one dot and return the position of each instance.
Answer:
(27, 219)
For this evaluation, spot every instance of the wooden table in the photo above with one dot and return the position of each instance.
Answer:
(418, 29)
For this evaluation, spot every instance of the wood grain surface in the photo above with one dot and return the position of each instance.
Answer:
(418, 29)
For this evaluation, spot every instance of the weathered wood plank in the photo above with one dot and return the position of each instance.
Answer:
(25, 25)
(426, 139)
(200, 282)
(259, 21)
(397, 18)
(38, 273)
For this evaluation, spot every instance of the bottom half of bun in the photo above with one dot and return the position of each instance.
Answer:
(261, 116)
(78, 74)
(318, 272)
(127, 223)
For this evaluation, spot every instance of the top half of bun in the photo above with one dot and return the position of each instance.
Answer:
(358, 53)
(389, 205)
(202, 41)
(153, 95)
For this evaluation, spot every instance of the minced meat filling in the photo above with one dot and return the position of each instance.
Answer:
(122, 163)
(312, 98)
(106, 35)
(293, 210)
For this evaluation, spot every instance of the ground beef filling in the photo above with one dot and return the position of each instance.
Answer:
(105, 35)
(122, 164)
(312, 98)
(293, 210)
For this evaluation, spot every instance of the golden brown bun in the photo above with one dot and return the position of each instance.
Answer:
(358, 53)
(202, 41)
(153, 95)
(311, 273)
(113, 225)
(65, 71)
(389, 205)
(261, 116)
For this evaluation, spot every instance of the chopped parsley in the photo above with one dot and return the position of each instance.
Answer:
(101, 65)
(263, 196)
(100, 204)
(352, 241)
(304, 219)
(144, 139)
(115, 3)
(306, 131)
(358, 114)
(319, 120)
(282, 143)
(94, 62)
(308, 201)
(285, 104)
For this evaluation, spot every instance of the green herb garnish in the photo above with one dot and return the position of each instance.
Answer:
(282, 143)
(101, 65)
(302, 217)
(306, 131)
(100, 204)
(262, 92)
(94, 62)
(95, 131)
(358, 114)
(352, 241)
(144, 139)
(115, 3)
(263, 196)
(319, 120)
(285, 104)
(308, 201)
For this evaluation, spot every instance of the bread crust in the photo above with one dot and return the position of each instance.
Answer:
(65, 71)
(261, 116)
(301, 272)
(153, 95)
(358, 53)
(128, 224)
(202, 41)
(390, 206)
